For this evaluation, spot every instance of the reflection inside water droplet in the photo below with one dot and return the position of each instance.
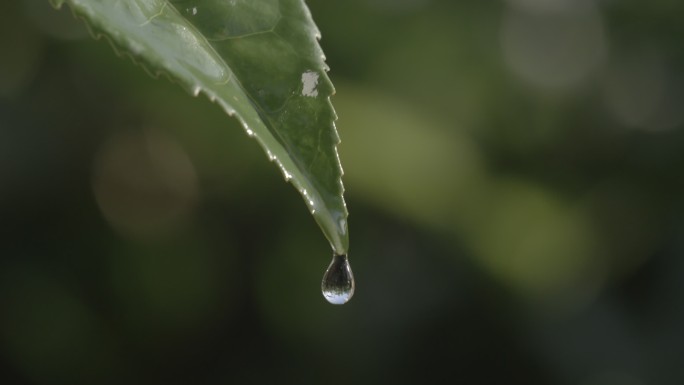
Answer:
(338, 281)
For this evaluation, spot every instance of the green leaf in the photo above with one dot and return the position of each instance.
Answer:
(261, 62)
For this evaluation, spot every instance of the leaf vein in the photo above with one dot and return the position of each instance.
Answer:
(250, 34)
(156, 15)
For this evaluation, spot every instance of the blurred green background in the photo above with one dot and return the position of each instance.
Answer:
(513, 174)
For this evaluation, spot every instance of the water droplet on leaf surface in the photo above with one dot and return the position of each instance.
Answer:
(338, 281)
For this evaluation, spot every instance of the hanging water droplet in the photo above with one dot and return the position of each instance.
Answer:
(338, 281)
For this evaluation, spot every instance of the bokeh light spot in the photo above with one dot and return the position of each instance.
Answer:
(145, 184)
(532, 241)
(641, 91)
(556, 49)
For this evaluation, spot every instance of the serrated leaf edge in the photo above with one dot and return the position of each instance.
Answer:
(196, 89)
